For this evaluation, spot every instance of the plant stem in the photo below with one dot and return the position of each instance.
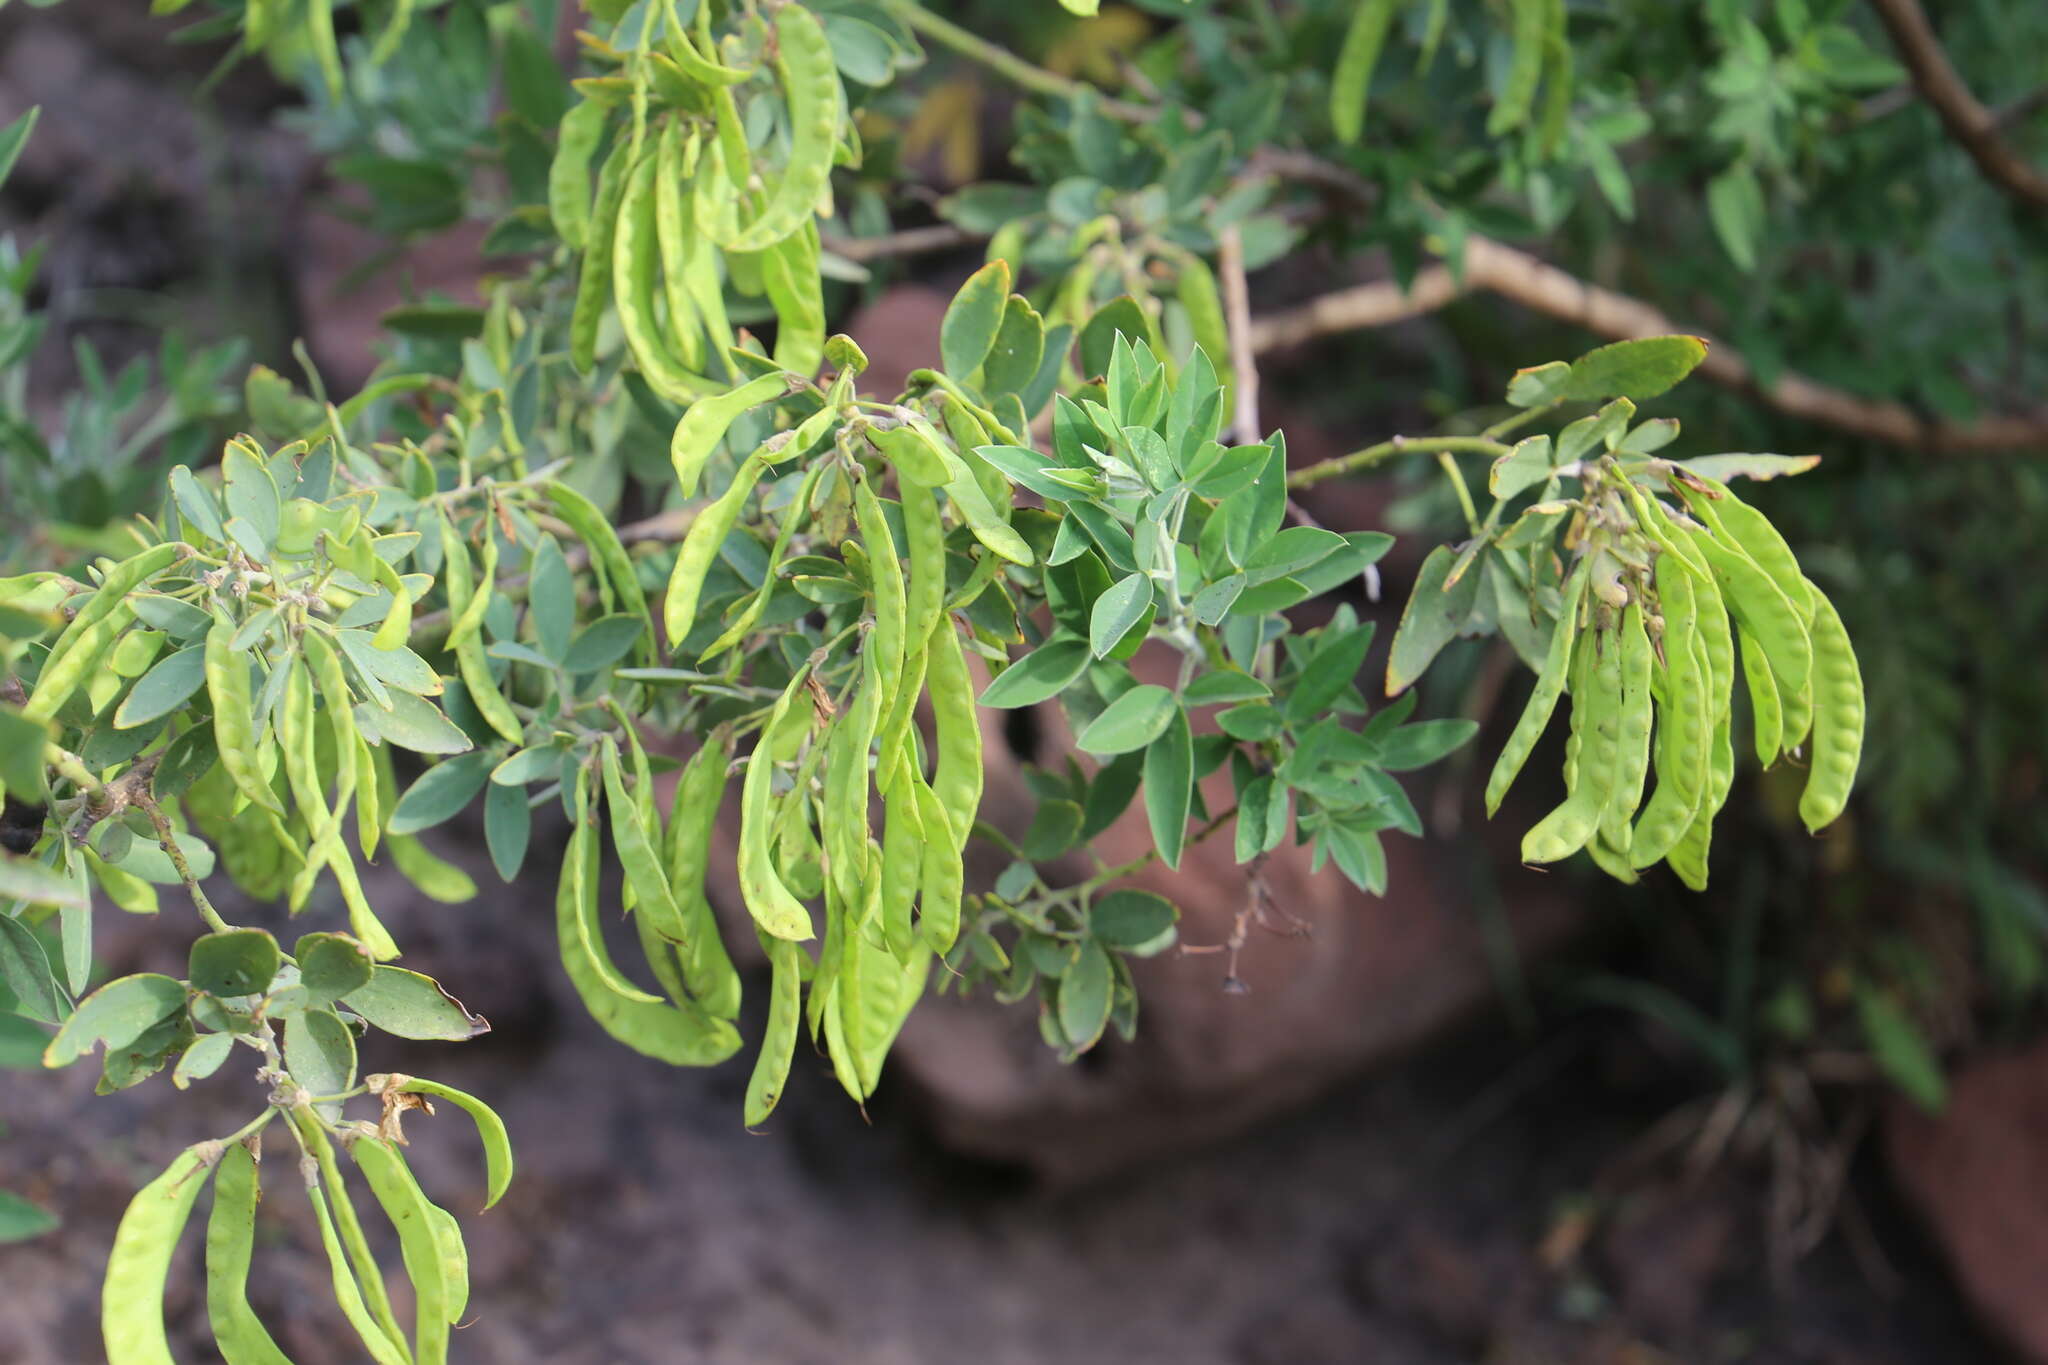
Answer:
(167, 838)
(1008, 64)
(1151, 856)
(1386, 450)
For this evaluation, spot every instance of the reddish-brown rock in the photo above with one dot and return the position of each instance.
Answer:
(1978, 1175)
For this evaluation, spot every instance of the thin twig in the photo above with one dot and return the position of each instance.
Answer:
(1237, 314)
(1008, 64)
(908, 242)
(1965, 117)
(1387, 450)
(1547, 289)
(2023, 108)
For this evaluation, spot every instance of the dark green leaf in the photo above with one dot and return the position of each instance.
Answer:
(601, 643)
(441, 792)
(1130, 918)
(1120, 314)
(1053, 830)
(1084, 998)
(1338, 658)
(331, 966)
(238, 962)
(508, 826)
(1224, 685)
(1414, 746)
(19, 1219)
(1169, 786)
(25, 971)
(1901, 1049)
(1431, 620)
(12, 139)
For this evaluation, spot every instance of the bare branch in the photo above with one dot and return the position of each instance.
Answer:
(1237, 316)
(1543, 287)
(1965, 117)
(908, 242)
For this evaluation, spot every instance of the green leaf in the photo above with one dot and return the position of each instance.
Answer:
(1261, 818)
(1224, 685)
(166, 687)
(1130, 722)
(238, 962)
(1029, 469)
(1012, 361)
(411, 723)
(1726, 467)
(24, 879)
(1130, 918)
(442, 792)
(409, 1005)
(1527, 465)
(1109, 795)
(533, 83)
(1117, 611)
(21, 1042)
(1735, 206)
(331, 966)
(1355, 62)
(1901, 1049)
(1169, 786)
(1085, 997)
(251, 494)
(1040, 675)
(1423, 743)
(1643, 368)
(1431, 620)
(1255, 722)
(19, 1219)
(1054, 827)
(12, 139)
(602, 643)
(206, 1055)
(972, 319)
(1359, 856)
(551, 599)
(137, 1060)
(116, 1014)
(1297, 547)
(508, 828)
(195, 504)
(398, 666)
(1098, 338)
(1362, 550)
(1327, 676)
(1213, 603)
(22, 742)
(25, 972)
(1532, 388)
(435, 321)
(320, 1054)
